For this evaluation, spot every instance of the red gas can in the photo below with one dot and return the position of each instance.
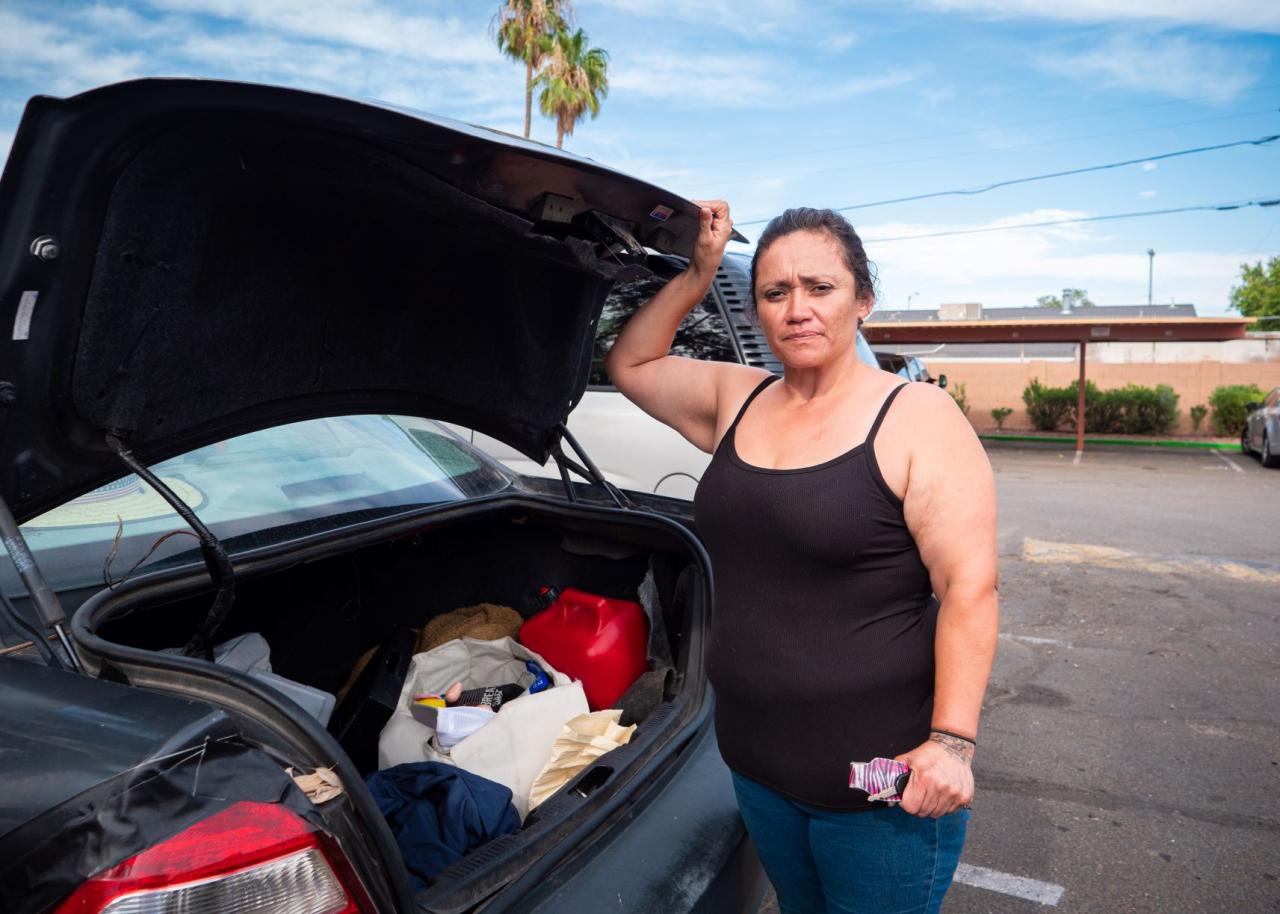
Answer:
(596, 639)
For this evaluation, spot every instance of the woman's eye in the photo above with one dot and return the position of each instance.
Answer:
(773, 294)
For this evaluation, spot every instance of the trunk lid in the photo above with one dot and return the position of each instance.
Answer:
(182, 261)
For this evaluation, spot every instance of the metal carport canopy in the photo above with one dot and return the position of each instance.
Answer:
(1081, 330)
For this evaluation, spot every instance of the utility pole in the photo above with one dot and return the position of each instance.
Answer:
(909, 297)
(1151, 268)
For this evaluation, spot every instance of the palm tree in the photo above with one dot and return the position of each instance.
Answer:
(574, 80)
(525, 30)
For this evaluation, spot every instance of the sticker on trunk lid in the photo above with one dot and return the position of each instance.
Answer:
(661, 213)
(22, 320)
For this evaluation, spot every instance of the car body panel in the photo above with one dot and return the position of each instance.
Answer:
(1263, 425)
(62, 734)
(716, 864)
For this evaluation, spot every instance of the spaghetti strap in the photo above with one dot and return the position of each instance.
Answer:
(747, 402)
(888, 401)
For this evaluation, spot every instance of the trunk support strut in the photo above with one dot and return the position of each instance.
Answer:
(42, 596)
(590, 472)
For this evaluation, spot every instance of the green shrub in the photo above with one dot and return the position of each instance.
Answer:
(1050, 408)
(1228, 403)
(1144, 410)
(1198, 412)
(1132, 409)
(957, 393)
(1000, 413)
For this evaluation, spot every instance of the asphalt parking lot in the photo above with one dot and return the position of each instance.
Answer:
(1129, 759)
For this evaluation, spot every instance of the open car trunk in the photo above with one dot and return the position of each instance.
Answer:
(323, 608)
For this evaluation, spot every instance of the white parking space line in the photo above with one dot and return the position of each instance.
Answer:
(1032, 639)
(980, 877)
(1231, 463)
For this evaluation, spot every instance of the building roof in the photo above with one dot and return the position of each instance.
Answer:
(1006, 314)
(1088, 325)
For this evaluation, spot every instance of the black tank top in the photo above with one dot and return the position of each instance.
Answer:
(822, 629)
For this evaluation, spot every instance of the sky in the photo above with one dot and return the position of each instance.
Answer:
(776, 103)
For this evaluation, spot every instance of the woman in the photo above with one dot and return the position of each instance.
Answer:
(850, 520)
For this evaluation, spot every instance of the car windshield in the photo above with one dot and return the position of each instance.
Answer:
(258, 489)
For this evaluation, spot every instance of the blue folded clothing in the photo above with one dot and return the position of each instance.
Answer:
(440, 813)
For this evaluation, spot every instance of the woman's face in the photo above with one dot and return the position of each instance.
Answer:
(807, 300)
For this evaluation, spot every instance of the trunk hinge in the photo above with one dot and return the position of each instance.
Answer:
(216, 559)
(589, 472)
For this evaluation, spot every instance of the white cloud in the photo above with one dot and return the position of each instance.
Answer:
(748, 18)
(711, 79)
(1006, 269)
(354, 48)
(935, 97)
(56, 59)
(1163, 64)
(1146, 194)
(1237, 15)
(858, 85)
(733, 80)
(840, 41)
(492, 88)
(123, 22)
(353, 23)
(1149, 166)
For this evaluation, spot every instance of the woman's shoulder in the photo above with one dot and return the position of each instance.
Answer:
(923, 422)
(927, 399)
(734, 384)
(926, 416)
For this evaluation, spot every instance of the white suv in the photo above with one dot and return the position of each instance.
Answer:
(631, 449)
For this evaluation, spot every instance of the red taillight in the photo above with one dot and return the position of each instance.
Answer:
(251, 858)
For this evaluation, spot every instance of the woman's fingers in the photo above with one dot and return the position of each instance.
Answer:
(719, 208)
(715, 214)
(714, 229)
(939, 784)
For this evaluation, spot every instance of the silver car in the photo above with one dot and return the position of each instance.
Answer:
(1261, 433)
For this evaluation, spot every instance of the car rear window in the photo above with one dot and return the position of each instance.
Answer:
(703, 334)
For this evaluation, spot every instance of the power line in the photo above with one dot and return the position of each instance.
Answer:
(1260, 141)
(1221, 207)
(973, 130)
(974, 152)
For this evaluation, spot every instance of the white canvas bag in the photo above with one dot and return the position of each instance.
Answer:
(515, 746)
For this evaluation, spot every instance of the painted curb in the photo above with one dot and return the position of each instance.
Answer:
(1124, 442)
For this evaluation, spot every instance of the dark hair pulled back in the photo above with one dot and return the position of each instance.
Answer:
(805, 218)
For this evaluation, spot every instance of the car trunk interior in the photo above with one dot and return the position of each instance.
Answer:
(320, 616)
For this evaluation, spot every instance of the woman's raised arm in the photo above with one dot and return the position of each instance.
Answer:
(680, 392)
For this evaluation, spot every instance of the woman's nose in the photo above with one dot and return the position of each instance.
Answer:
(797, 306)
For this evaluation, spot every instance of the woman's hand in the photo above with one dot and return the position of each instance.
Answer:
(941, 778)
(714, 229)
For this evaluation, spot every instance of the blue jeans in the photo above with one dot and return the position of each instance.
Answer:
(884, 861)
